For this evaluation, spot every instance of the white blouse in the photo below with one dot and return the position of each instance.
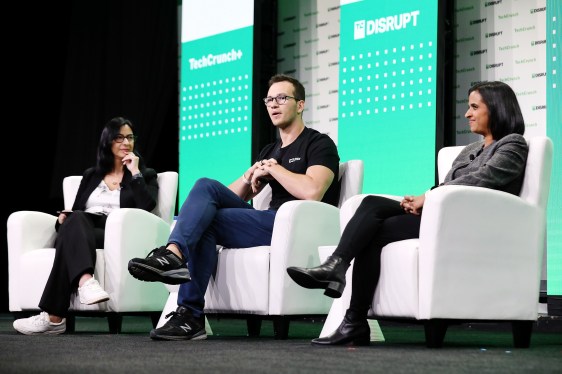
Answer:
(103, 200)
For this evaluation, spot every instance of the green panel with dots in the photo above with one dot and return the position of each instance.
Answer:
(215, 108)
(387, 93)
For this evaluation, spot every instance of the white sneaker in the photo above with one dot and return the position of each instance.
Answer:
(39, 324)
(92, 293)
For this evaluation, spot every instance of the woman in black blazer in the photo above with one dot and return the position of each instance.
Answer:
(119, 180)
(497, 161)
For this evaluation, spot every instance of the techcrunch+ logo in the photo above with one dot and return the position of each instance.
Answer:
(363, 28)
(211, 59)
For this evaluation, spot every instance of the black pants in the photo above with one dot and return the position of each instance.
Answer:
(377, 222)
(76, 243)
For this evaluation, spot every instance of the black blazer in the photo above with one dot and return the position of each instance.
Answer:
(135, 193)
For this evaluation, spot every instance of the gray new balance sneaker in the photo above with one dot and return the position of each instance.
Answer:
(161, 265)
(39, 325)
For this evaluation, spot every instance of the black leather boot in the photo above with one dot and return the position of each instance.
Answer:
(353, 330)
(329, 276)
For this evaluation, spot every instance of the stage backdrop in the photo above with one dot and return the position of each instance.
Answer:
(369, 68)
(510, 41)
(554, 131)
(215, 90)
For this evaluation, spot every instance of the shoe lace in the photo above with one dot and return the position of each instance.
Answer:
(40, 318)
(155, 251)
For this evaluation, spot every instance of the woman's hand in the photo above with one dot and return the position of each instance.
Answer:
(413, 204)
(62, 216)
(131, 161)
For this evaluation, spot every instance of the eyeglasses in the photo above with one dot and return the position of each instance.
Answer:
(280, 99)
(120, 138)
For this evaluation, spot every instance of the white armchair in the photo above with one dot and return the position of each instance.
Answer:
(478, 258)
(31, 237)
(253, 282)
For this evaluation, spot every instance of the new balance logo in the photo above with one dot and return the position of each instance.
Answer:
(185, 327)
(163, 260)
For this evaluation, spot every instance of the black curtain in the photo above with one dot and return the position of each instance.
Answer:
(70, 66)
(122, 61)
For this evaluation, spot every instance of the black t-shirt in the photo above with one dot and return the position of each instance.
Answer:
(309, 149)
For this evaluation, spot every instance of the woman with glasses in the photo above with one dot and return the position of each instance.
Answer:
(118, 180)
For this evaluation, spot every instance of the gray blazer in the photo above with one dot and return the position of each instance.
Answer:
(500, 166)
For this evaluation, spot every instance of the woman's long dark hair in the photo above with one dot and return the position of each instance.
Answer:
(105, 158)
(503, 108)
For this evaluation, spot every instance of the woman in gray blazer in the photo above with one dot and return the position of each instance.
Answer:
(497, 161)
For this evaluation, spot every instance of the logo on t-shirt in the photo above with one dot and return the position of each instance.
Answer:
(294, 159)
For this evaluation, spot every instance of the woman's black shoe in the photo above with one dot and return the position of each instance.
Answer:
(352, 331)
(329, 276)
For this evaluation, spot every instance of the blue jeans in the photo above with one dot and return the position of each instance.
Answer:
(214, 215)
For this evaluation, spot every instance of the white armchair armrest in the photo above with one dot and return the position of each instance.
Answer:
(26, 231)
(132, 233)
(300, 227)
(462, 260)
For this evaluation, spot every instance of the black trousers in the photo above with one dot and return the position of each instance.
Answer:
(377, 222)
(77, 239)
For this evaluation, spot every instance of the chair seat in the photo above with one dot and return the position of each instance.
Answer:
(241, 282)
(397, 291)
(35, 267)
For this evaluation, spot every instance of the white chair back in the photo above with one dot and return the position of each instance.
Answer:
(536, 183)
(167, 193)
(445, 158)
(351, 179)
(70, 189)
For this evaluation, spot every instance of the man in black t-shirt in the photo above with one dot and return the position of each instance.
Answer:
(302, 165)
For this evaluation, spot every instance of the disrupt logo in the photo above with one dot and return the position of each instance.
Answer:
(493, 66)
(492, 3)
(536, 10)
(211, 60)
(537, 42)
(397, 22)
(477, 21)
(539, 107)
(479, 52)
(492, 34)
(538, 75)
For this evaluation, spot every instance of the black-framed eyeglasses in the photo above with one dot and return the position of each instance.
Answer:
(120, 138)
(280, 99)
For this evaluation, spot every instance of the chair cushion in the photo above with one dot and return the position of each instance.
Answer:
(35, 267)
(397, 291)
(241, 282)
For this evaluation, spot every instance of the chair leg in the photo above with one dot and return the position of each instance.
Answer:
(435, 330)
(114, 320)
(70, 323)
(254, 326)
(522, 333)
(155, 317)
(281, 327)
